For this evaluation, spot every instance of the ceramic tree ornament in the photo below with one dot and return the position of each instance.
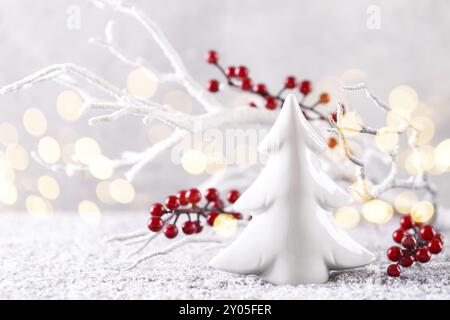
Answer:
(292, 238)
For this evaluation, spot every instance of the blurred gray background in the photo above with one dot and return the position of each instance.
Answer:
(317, 40)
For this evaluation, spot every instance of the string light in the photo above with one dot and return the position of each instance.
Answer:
(347, 217)
(89, 212)
(34, 122)
(49, 149)
(69, 105)
(121, 191)
(48, 187)
(194, 162)
(225, 225)
(142, 83)
(86, 149)
(377, 211)
(422, 211)
(404, 202)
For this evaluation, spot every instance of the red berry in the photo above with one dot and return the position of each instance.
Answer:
(170, 231)
(324, 98)
(212, 217)
(237, 215)
(198, 226)
(253, 105)
(242, 72)
(231, 72)
(393, 270)
(157, 209)
(271, 103)
(155, 224)
(194, 196)
(407, 261)
(305, 87)
(394, 253)
(261, 88)
(427, 232)
(435, 246)
(218, 204)
(232, 196)
(332, 142)
(290, 82)
(172, 202)
(212, 57)
(211, 194)
(440, 237)
(246, 84)
(406, 222)
(213, 85)
(182, 197)
(334, 116)
(408, 241)
(423, 255)
(398, 235)
(189, 227)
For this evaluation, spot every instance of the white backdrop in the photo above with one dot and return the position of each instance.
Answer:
(319, 40)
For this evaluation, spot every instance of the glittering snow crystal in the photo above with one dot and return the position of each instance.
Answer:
(292, 238)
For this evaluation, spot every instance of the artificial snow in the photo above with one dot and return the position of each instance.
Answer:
(63, 258)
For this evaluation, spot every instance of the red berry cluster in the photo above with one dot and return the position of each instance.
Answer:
(239, 77)
(187, 202)
(418, 243)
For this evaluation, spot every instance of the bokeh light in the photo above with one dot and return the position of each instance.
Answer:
(49, 149)
(142, 83)
(159, 132)
(103, 193)
(425, 130)
(347, 217)
(48, 187)
(225, 225)
(422, 211)
(179, 100)
(404, 202)
(86, 149)
(69, 105)
(8, 134)
(34, 122)
(442, 154)
(403, 97)
(194, 162)
(122, 191)
(387, 139)
(360, 190)
(350, 123)
(17, 157)
(89, 212)
(101, 167)
(377, 211)
(38, 207)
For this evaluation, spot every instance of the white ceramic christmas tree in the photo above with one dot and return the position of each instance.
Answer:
(292, 238)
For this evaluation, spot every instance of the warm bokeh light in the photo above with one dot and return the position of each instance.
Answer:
(89, 212)
(8, 134)
(425, 130)
(403, 97)
(8, 193)
(34, 122)
(398, 119)
(86, 149)
(48, 187)
(69, 105)
(17, 157)
(225, 225)
(404, 202)
(179, 100)
(159, 132)
(101, 167)
(68, 152)
(420, 161)
(49, 150)
(38, 207)
(142, 83)
(422, 211)
(121, 191)
(442, 154)
(103, 193)
(350, 123)
(194, 162)
(387, 139)
(360, 190)
(215, 162)
(377, 211)
(347, 217)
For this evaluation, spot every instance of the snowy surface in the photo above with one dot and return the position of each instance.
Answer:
(62, 258)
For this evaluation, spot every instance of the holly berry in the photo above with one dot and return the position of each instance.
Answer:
(427, 232)
(398, 234)
(172, 202)
(334, 116)
(218, 204)
(189, 227)
(394, 253)
(198, 226)
(212, 57)
(290, 82)
(407, 261)
(213, 85)
(232, 196)
(305, 87)
(253, 105)
(231, 72)
(237, 215)
(157, 209)
(332, 142)
(212, 217)
(170, 231)
(194, 196)
(393, 270)
(440, 237)
(261, 88)
(182, 197)
(246, 84)
(155, 224)
(423, 255)
(211, 194)
(408, 241)
(242, 72)
(435, 246)
(271, 103)
(406, 222)
(324, 98)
